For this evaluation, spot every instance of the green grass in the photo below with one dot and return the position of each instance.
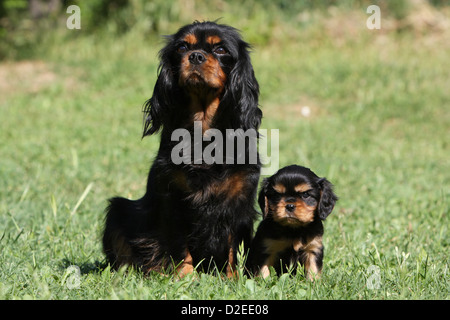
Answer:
(70, 139)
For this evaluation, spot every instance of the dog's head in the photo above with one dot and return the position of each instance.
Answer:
(205, 74)
(295, 196)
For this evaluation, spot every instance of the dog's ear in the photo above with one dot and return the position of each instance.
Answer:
(155, 107)
(243, 91)
(164, 93)
(327, 198)
(262, 197)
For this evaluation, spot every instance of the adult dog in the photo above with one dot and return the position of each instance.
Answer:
(194, 213)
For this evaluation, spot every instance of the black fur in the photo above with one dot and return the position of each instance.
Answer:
(205, 210)
(281, 244)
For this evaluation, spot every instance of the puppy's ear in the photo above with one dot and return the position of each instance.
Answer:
(262, 197)
(243, 90)
(327, 198)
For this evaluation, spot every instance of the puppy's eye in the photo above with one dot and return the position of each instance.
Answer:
(220, 50)
(305, 195)
(182, 49)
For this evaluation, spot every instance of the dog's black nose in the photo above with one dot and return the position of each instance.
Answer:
(290, 207)
(197, 58)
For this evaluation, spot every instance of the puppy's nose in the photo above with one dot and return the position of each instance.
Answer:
(290, 207)
(197, 58)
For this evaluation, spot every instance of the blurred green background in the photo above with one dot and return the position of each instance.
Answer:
(24, 24)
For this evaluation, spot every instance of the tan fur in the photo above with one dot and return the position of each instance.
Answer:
(302, 215)
(311, 247)
(186, 267)
(190, 38)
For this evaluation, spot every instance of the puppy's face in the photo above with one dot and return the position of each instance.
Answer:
(294, 196)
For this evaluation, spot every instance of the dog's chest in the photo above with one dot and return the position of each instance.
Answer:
(200, 188)
(285, 245)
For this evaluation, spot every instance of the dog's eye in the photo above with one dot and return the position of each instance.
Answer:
(305, 195)
(182, 49)
(220, 50)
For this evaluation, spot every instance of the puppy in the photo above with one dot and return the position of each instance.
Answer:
(294, 201)
(195, 213)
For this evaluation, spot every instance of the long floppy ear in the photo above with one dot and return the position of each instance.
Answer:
(262, 198)
(327, 198)
(243, 89)
(157, 107)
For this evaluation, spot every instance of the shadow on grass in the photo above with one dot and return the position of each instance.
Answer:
(95, 267)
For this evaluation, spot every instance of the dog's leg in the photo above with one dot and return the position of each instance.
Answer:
(272, 247)
(231, 266)
(187, 266)
(312, 257)
(312, 270)
(264, 271)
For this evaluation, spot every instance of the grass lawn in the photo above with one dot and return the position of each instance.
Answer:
(379, 129)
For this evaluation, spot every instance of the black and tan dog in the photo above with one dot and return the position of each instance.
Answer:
(294, 202)
(193, 213)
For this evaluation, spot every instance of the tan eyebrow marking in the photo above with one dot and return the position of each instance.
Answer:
(190, 38)
(213, 40)
(302, 187)
(279, 188)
